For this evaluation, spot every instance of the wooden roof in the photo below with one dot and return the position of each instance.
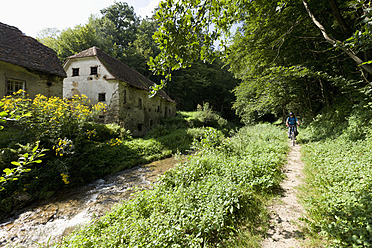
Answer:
(120, 71)
(18, 49)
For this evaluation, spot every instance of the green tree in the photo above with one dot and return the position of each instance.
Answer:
(279, 52)
(189, 28)
(73, 40)
(125, 21)
(202, 83)
(142, 48)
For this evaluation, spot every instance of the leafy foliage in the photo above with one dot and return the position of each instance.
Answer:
(76, 150)
(204, 82)
(337, 194)
(25, 160)
(200, 202)
(339, 179)
(278, 52)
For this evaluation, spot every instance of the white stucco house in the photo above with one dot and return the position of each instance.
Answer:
(105, 79)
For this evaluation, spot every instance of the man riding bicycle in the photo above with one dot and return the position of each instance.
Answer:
(292, 121)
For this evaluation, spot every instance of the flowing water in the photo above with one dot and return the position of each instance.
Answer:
(49, 222)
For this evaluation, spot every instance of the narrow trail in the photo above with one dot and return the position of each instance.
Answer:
(285, 230)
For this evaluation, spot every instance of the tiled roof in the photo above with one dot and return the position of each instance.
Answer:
(121, 71)
(19, 49)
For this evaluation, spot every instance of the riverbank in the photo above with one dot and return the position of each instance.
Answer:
(204, 201)
(49, 221)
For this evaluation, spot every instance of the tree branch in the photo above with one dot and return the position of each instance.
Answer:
(338, 43)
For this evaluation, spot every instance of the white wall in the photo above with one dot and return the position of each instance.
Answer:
(89, 85)
(121, 98)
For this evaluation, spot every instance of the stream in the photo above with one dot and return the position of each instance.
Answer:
(48, 222)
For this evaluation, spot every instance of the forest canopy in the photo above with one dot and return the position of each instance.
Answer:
(303, 56)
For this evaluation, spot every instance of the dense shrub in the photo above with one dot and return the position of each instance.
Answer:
(200, 202)
(338, 192)
(351, 121)
(79, 150)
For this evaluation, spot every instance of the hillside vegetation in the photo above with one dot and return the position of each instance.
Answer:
(337, 194)
(202, 202)
(51, 143)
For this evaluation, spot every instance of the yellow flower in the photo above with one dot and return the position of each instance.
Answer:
(65, 178)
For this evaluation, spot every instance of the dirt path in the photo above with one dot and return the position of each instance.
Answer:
(284, 230)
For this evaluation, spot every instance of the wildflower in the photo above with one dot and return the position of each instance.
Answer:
(65, 178)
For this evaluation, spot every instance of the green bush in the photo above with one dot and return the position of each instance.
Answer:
(80, 150)
(339, 192)
(201, 202)
(351, 121)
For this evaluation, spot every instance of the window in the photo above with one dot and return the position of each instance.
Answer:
(14, 86)
(75, 72)
(139, 103)
(102, 97)
(94, 70)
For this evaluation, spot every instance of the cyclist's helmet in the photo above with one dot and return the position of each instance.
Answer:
(291, 113)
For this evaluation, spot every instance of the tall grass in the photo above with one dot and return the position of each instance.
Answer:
(80, 150)
(200, 203)
(339, 190)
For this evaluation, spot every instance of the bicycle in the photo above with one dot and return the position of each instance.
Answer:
(293, 134)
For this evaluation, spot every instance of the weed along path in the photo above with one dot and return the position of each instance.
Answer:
(49, 222)
(285, 229)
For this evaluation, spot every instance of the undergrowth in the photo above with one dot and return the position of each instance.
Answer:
(78, 149)
(339, 178)
(338, 191)
(202, 202)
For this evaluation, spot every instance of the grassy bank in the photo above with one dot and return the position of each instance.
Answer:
(77, 149)
(338, 191)
(201, 203)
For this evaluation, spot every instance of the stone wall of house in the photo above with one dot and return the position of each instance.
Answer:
(139, 112)
(34, 82)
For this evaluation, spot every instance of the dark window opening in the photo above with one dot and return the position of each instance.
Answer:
(101, 97)
(94, 70)
(125, 96)
(151, 123)
(139, 127)
(158, 109)
(49, 84)
(14, 86)
(75, 72)
(139, 103)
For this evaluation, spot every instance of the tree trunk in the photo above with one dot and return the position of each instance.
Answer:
(336, 12)
(338, 43)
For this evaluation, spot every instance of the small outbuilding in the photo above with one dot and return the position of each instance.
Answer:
(125, 92)
(27, 64)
